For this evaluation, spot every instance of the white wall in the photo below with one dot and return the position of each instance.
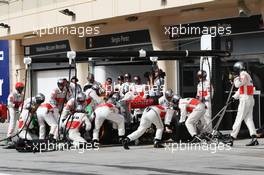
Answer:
(46, 81)
(102, 72)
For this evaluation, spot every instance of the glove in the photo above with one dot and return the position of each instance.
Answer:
(232, 100)
(28, 106)
(181, 123)
(87, 136)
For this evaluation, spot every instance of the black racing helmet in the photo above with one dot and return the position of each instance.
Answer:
(81, 97)
(201, 74)
(40, 98)
(137, 79)
(95, 87)
(61, 83)
(239, 66)
(175, 99)
(116, 96)
(120, 77)
(109, 80)
(169, 93)
(127, 76)
(74, 78)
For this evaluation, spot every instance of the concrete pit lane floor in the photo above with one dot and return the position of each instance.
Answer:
(138, 160)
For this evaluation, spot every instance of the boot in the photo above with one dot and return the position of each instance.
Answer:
(95, 143)
(229, 141)
(51, 138)
(125, 143)
(8, 141)
(121, 138)
(158, 144)
(253, 141)
(9, 144)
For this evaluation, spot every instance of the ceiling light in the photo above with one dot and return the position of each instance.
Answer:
(132, 18)
(3, 25)
(196, 9)
(67, 12)
(29, 36)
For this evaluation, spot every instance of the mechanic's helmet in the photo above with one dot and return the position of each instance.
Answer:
(88, 86)
(79, 108)
(116, 96)
(127, 76)
(169, 94)
(99, 91)
(239, 66)
(81, 97)
(61, 83)
(40, 98)
(201, 74)
(109, 80)
(175, 99)
(19, 86)
(137, 79)
(120, 77)
(95, 87)
(74, 78)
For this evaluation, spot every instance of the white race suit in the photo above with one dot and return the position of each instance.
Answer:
(245, 94)
(204, 93)
(45, 114)
(152, 114)
(163, 101)
(74, 124)
(14, 101)
(107, 111)
(24, 121)
(195, 110)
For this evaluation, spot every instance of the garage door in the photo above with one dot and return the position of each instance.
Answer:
(46, 80)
